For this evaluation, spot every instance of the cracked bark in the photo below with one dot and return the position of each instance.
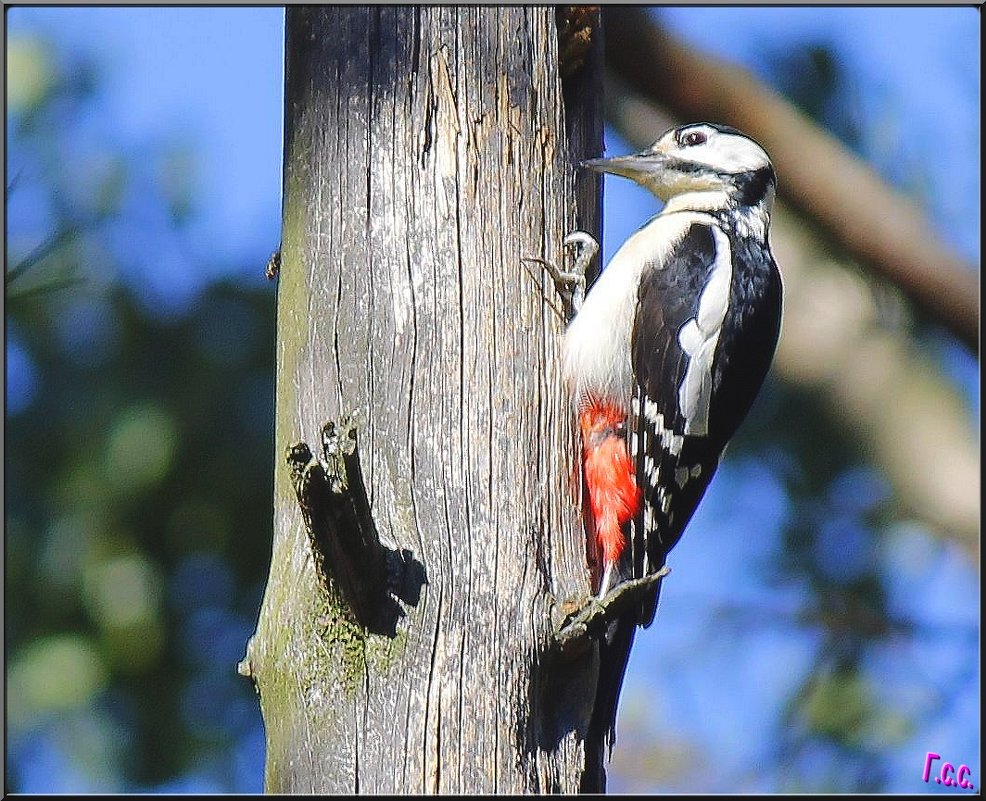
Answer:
(427, 154)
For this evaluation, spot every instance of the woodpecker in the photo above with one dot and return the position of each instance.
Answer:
(670, 346)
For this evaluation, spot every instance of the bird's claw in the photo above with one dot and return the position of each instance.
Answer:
(571, 285)
(595, 613)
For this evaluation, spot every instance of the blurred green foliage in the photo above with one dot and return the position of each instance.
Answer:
(138, 471)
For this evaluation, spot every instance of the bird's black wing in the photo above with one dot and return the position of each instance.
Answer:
(673, 468)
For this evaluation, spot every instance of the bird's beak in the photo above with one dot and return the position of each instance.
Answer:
(638, 167)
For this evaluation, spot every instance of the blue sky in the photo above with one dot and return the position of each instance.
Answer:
(179, 74)
(212, 77)
(179, 70)
(914, 70)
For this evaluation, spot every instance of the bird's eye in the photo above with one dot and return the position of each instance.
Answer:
(694, 138)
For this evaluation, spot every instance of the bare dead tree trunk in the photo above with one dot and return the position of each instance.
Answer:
(407, 637)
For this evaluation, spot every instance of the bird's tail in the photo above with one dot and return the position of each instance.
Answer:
(614, 651)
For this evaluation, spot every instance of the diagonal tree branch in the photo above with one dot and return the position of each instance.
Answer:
(847, 200)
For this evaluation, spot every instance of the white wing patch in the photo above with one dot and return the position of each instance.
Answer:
(699, 336)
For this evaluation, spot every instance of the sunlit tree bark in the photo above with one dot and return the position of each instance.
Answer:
(425, 157)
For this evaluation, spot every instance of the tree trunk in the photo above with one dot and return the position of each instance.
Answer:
(425, 157)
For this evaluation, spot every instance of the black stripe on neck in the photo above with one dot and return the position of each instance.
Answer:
(751, 187)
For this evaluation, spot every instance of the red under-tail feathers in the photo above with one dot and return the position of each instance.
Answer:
(614, 497)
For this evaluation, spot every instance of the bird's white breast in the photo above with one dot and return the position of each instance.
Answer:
(597, 342)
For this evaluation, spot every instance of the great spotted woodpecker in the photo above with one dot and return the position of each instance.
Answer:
(671, 344)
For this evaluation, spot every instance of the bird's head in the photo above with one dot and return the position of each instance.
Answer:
(715, 163)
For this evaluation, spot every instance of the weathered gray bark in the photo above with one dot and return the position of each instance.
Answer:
(425, 157)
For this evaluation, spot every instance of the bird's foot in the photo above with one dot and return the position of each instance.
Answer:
(594, 615)
(571, 285)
